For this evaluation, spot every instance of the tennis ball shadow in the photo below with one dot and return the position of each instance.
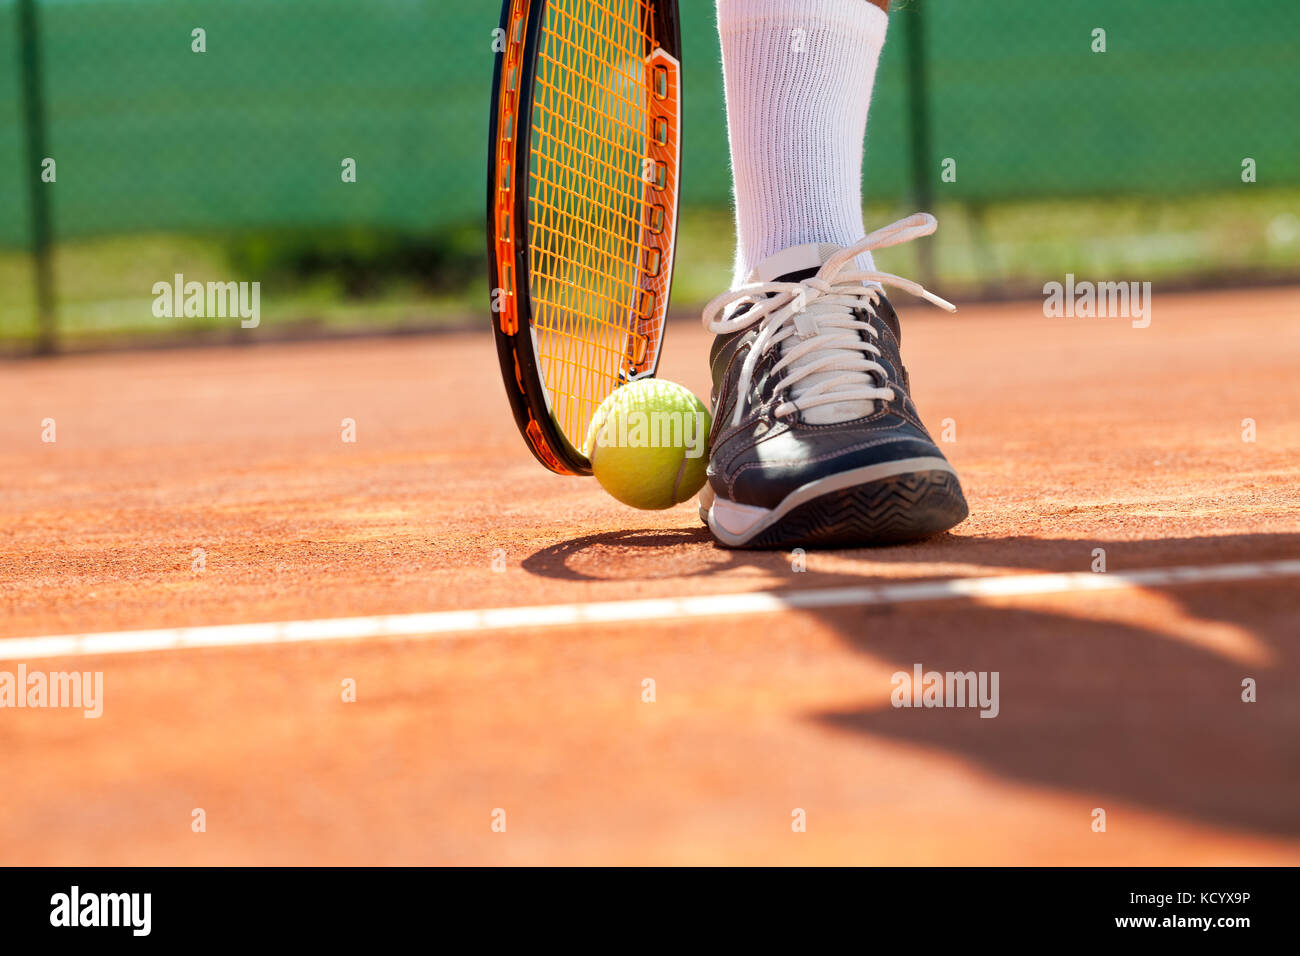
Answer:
(631, 555)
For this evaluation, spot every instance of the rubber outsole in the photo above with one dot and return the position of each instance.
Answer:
(893, 510)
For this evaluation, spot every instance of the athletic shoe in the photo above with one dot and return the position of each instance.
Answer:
(816, 442)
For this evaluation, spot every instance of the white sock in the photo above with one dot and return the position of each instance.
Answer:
(798, 81)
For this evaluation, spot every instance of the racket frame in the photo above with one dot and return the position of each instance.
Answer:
(508, 222)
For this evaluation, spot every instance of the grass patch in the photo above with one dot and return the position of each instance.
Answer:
(357, 280)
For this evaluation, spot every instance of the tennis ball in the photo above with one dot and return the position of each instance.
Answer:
(649, 444)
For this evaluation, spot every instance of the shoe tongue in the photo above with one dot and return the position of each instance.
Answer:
(794, 265)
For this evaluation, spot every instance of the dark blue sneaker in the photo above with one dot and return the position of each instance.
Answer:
(816, 441)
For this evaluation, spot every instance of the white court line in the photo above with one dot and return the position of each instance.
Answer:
(658, 610)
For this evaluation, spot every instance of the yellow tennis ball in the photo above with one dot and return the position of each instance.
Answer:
(649, 444)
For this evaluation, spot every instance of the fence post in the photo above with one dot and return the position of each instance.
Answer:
(912, 19)
(37, 195)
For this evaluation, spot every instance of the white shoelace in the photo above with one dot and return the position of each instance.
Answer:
(820, 311)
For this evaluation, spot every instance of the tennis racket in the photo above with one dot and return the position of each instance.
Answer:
(584, 155)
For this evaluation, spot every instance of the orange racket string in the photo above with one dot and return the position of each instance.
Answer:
(591, 130)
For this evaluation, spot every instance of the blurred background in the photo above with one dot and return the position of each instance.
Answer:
(225, 165)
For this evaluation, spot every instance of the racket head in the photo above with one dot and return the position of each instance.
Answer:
(584, 158)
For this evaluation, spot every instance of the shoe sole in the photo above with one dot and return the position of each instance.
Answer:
(891, 503)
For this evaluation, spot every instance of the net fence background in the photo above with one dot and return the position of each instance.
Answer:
(149, 136)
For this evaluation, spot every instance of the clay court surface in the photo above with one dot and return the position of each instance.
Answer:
(1071, 435)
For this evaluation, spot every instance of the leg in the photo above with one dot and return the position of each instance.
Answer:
(816, 441)
(799, 75)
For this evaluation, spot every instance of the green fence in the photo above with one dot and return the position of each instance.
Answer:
(149, 135)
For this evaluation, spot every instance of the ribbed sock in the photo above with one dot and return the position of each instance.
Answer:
(798, 77)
